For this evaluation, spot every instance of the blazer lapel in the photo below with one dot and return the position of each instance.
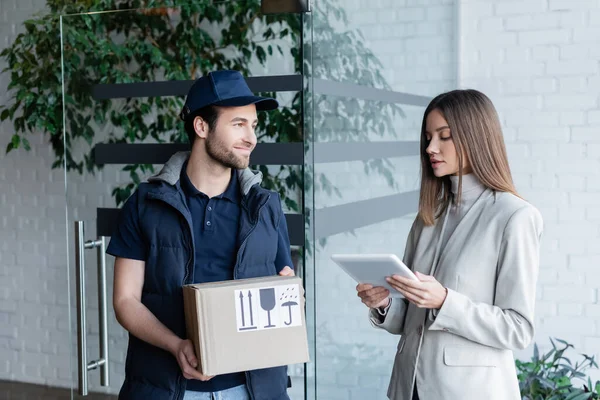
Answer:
(463, 229)
(424, 253)
(438, 243)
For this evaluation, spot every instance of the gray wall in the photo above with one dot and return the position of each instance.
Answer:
(415, 42)
(542, 74)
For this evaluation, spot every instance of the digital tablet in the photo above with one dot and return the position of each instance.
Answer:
(373, 269)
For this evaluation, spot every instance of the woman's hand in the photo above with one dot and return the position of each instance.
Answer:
(427, 292)
(373, 297)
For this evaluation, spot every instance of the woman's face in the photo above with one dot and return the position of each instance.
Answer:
(440, 149)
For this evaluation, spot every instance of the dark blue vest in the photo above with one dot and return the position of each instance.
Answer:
(150, 372)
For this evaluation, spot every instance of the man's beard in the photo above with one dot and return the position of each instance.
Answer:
(217, 151)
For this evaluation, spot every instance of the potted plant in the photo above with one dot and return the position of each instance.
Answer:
(551, 376)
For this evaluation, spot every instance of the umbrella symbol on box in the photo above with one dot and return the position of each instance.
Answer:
(289, 304)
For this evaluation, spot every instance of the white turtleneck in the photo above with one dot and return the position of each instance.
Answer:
(471, 190)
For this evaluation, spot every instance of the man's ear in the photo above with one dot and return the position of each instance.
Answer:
(201, 127)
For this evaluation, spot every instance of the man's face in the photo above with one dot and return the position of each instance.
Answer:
(233, 138)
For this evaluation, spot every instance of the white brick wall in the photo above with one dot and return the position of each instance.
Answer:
(34, 336)
(414, 40)
(536, 59)
(554, 108)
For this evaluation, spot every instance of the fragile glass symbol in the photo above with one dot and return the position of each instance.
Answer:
(267, 303)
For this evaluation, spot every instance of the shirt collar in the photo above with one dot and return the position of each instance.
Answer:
(232, 193)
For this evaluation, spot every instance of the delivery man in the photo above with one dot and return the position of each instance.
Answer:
(203, 218)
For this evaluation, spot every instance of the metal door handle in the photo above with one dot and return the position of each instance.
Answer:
(83, 366)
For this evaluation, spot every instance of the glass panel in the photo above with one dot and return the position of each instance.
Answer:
(375, 66)
(104, 49)
(309, 208)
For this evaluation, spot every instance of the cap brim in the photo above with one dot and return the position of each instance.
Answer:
(262, 103)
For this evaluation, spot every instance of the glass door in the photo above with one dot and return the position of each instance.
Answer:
(374, 68)
(125, 75)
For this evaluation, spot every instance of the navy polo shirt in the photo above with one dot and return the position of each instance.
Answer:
(215, 224)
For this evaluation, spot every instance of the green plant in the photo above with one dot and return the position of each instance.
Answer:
(139, 45)
(551, 375)
(148, 45)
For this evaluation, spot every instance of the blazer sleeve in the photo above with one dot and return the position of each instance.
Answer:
(392, 318)
(508, 323)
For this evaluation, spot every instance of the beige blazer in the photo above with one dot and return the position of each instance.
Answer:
(464, 351)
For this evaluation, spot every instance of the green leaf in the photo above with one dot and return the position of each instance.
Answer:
(26, 144)
(15, 141)
(580, 396)
(567, 345)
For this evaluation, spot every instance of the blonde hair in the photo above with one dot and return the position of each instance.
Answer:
(477, 135)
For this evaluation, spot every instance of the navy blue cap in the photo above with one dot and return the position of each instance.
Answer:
(226, 89)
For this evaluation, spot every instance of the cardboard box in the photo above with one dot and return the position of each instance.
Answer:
(246, 324)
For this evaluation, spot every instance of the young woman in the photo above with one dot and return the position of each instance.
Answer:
(475, 248)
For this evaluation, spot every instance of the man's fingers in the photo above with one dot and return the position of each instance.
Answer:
(182, 362)
(287, 271)
(188, 363)
(193, 373)
(188, 371)
(196, 375)
(190, 356)
(191, 360)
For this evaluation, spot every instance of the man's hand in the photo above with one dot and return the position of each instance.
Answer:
(287, 271)
(373, 297)
(184, 353)
(427, 292)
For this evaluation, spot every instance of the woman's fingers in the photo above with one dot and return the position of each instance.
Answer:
(401, 287)
(363, 286)
(373, 296)
(404, 281)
